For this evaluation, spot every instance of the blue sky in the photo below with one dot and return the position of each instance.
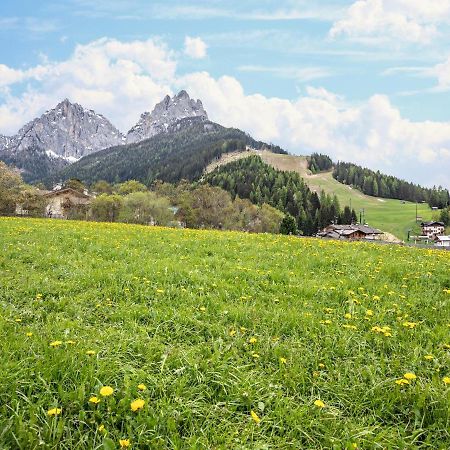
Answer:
(366, 81)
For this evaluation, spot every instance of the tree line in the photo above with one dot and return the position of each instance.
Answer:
(318, 162)
(255, 180)
(379, 185)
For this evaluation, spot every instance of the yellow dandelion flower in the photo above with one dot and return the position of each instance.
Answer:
(202, 308)
(94, 400)
(348, 316)
(255, 355)
(29, 334)
(106, 391)
(428, 357)
(232, 333)
(401, 382)
(70, 342)
(55, 343)
(446, 380)
(321, 365)
(255, 416)
(54, 412)
(253, 340)
(409, 376)
(124, 443)
(319, 403)
(101, 428)
(283, 360)
(90, 353)
(369, 313)
(137, 404)
(142, 387)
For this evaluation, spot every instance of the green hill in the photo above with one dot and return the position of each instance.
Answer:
(392, 216)
(194, 339)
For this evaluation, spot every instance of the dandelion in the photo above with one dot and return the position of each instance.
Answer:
(255, 355)
(255, 416)
(142, 387)
(409, 376)
(90, 353)
(101, 428)
(232, 333)
(446, 380)
(369, 313)
(283, 360)
(106, 391)
(94, 400)
(55, 343)
(348, 316)
(124, 443)
(70, 342)
(54, 412)
(137, 405)
(202, 309)
(18, 320)
(401, 382)
(319, 403)
(428, 357)
(29, 334)
(253, 340)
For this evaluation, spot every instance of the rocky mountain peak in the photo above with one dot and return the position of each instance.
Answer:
(68, 131)
(165, 114)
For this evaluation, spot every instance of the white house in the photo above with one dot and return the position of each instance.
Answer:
(432, 229)
(442, 241)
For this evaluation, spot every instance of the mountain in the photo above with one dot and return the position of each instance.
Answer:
(165, 114)
(182, 152)
(60, 136)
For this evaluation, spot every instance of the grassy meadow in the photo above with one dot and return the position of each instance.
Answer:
(118, 336)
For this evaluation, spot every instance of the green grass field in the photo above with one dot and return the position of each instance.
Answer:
(228, 340)
(391, 216)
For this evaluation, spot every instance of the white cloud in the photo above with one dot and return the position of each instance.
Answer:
(123, 79)
(195, 47)
(118, 79)
(405, 20)
(442, 72)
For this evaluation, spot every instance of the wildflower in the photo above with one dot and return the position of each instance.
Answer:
(409, 376)
(232, 333)
(54, 412)
(446, 380)
(106, 391)
(202, 309)
(70, 342)
(137, 404)
(401, 382)
(322, 366)
(319, 403)
(348, 316)
(18, 320)
(142, 387)
(369, 313)
(253, 340)
(29, 334)
(124, 443)
(283, 360)
(160, 291)
(255, 416)
(429, 357)
(255, 355)
(410, 325)
(94, 400)
(55, 343)
(101, 428)
(376, 297)
(90, 353)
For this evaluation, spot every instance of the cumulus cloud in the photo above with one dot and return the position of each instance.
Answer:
(406, 20)
(123, 79)
(195, 47)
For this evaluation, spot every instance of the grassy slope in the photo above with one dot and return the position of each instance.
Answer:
(389, 215)
(178, 311)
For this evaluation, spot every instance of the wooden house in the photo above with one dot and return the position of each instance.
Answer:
(432, 229)
(351, 232)
(60, 202)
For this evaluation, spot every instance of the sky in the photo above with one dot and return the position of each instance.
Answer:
(364, 81)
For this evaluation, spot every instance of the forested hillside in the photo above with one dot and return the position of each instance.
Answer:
(182, 153)
(253, 179)
(379, 185)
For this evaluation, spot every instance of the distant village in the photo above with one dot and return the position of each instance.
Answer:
(60, 200)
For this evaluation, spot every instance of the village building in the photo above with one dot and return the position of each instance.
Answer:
(60, 202)
(432, 229)
(351, 232)
(442, 242)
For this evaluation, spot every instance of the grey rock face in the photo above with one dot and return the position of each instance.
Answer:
(164, 115)
(4, 142)
(68, 131)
